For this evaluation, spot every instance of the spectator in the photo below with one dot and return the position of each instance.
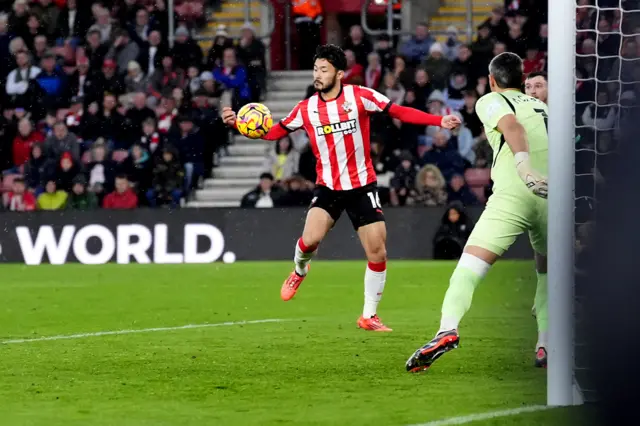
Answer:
(251, 52)
(265, 195)
(19, 17)
(24, 141)
(112, 124)
(71, 22)
(109, 82)
(452, 44)
(137, 115)
(430, 187)
(151, 53)
(141, 31)
(49, 14)
(104, 26)
(534, 60)
(74, 114)
(52, 83)
(191, 148)
(383, 161)
(417, 49)
(79, 197)
(138, 168)
(52, 198)
(168, 176)
(600, 115)
(221, 43)
(186, 52)
(463, 64)
(373, 73)
(404, 75)
(127, 10)
(482, 48)
(453, 233)
(61, 141)
(35, 168)
(234, 77)
(19, 81)
(423, 88)
(63, 172)
(497, 24)
(465, 141)
(82, 82)
(543, 38)
(454, 93)
(359, 45)
(165, 78)
(151, 140)
(385, 51)
(404, 181)
(468, 112)
(166, 112)
(437, 66)
(299, 193)
(123, 197)
(211, 88)
(443, 156)
(392, 89)
(101, 170)
(459, 191)
(123, 50)
(437, 104)
(516, 40)
(134, 82)
(95, 50)
(19, 199)
(34, 29)
(5, 40)
(354, 74)
(282, 161)
(40, 48)
(193, 80)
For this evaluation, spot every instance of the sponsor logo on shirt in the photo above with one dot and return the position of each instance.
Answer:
(344, 127)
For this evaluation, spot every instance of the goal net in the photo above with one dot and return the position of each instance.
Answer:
(607, 79)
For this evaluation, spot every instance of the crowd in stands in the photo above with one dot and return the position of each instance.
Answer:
(99, 111)
(417, 165)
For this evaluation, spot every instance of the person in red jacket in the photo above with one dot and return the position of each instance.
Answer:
(23, 142)
(354, 74)
(19, 199)
(123, 198)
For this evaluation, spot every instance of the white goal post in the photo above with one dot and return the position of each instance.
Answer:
(561, 57)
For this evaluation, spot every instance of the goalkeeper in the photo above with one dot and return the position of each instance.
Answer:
(515, 125)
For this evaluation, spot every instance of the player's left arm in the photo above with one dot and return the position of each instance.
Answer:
(374, 101)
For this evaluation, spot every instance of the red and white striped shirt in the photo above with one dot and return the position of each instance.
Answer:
(339, 133)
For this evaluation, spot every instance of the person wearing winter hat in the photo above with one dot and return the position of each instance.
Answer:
(79, 197)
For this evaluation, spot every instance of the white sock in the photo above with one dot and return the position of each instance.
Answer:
(302, 257)
(374, 280)
(447, 324)
(542, 340)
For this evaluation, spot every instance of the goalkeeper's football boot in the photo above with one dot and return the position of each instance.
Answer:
(372, 324)
(291, 284)
(541, 358)
(425, 356)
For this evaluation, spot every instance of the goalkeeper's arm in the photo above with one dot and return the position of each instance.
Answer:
(516, 137)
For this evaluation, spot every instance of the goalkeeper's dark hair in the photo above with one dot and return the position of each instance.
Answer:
(332, 54)
(538, 74)
(506, 69)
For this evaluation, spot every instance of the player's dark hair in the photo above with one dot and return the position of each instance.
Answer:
(506, 69)
(537, 74)
(332, 54)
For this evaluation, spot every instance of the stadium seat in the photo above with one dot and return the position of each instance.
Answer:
(120, 155)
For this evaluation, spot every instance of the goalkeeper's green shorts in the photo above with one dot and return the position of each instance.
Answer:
(508, 214)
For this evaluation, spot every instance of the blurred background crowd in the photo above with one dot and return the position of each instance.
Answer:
(99, 111)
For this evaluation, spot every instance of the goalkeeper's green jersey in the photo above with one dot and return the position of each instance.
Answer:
(531, 113)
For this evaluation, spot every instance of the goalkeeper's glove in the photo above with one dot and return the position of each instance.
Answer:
(534, 180)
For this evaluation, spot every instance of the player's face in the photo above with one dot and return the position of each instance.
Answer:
(537, 88)
(325, 76)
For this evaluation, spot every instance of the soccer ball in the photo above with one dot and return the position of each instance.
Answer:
(254, 120)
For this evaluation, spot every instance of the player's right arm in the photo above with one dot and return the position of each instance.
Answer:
(290, 123)
(495, 112)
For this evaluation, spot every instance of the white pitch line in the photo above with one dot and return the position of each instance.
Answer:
(142, 330)
(485, 416)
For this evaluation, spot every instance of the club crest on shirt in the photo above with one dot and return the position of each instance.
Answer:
(344, 127)
(347, 107)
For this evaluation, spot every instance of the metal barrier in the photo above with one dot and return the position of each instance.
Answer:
(390, 15)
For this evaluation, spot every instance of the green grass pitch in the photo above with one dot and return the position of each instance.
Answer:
(315, 368)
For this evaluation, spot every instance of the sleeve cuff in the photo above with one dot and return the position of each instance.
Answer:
(288, 130)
